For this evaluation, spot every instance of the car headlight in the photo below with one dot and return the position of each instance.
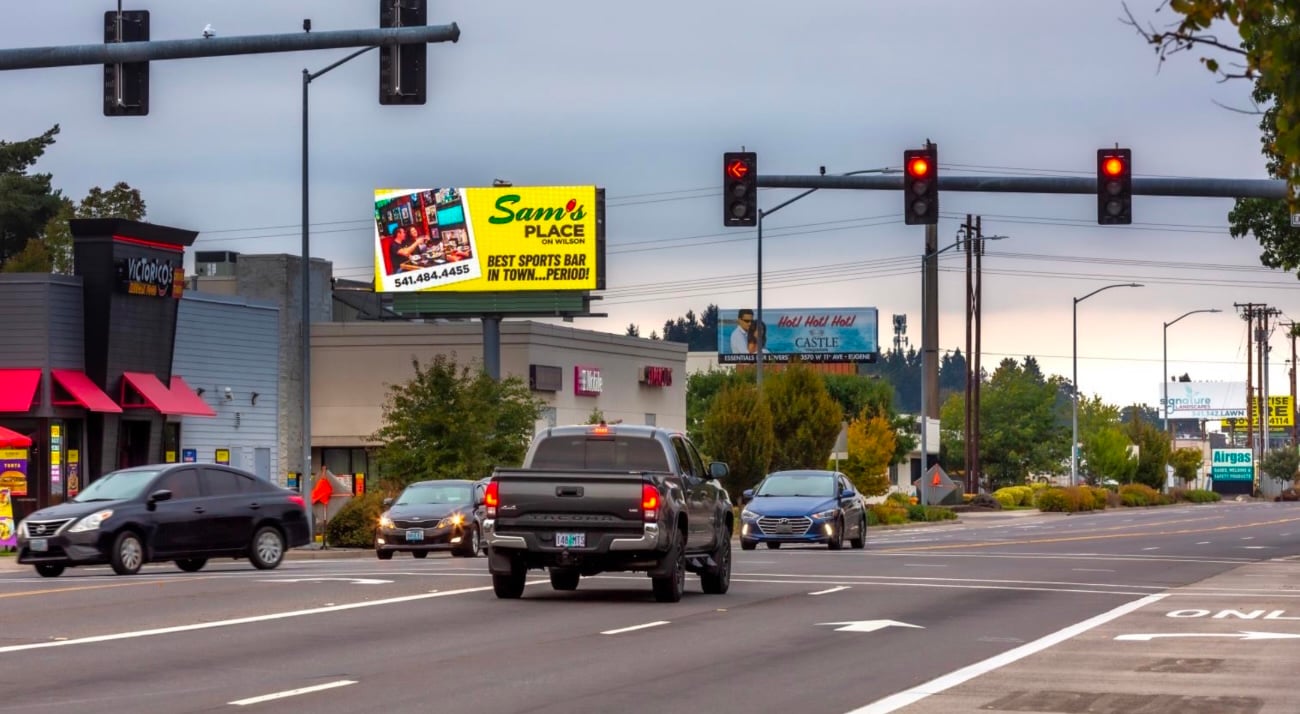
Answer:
(91, 522)
(824, 515)
(21, 528)
(454, 519)
(385, 521)
(748, 515)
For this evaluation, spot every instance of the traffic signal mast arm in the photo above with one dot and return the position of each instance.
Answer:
(1195, 187)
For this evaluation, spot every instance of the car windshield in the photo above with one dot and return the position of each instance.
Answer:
(456, 494)
(117, 485)
(822, 485)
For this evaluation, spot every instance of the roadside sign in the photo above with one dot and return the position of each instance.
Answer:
(1295, 220)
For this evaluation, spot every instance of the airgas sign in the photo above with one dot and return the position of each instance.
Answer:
(1232, 465)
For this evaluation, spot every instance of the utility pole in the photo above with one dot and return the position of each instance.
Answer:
(1248, 314)
(1291, 331)
(969, 426)
(977, 371)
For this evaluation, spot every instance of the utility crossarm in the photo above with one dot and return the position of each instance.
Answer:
(1194, 187)
(127, 52)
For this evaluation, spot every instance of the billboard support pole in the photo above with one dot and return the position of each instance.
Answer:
(492, 346)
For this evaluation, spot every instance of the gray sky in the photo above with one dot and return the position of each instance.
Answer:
(642, 99)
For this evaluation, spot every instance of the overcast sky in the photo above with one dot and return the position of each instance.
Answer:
(642, 99)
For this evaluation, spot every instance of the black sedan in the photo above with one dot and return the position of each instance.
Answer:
(186, 513)
(433, 515)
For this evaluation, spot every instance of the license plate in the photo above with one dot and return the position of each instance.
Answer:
(784, 529)
(415, 534)
(571, 540)
(40, 544)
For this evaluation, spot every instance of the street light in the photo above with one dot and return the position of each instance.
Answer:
(1165, 379)
(758, 309)
(1074, 438)
(925, 259)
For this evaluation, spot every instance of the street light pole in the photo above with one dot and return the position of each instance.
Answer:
(1165, 379)
(1074, 383)
(758, 308)
(925, 258)
(305, 479)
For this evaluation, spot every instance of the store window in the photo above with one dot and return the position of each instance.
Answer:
(649, 419)
(351, 461)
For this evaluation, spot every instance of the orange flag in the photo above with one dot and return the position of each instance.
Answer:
(323, 490)
(936, 481)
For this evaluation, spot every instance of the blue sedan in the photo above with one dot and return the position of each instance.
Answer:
(808, 506)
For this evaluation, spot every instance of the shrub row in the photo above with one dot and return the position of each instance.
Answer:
(893, 512)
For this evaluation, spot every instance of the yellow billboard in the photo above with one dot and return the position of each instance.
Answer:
(1281, 413)
(497, 239)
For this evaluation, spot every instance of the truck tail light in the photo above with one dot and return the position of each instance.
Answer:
(297, 500)
(492, 498)
(649, 502)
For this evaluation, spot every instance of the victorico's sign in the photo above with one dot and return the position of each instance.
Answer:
(489, 239)
(1204, 400)
(150, 276)
(821, 334)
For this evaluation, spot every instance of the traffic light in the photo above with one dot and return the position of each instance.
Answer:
(921, 187)
(739, 188)
(402, 68)
(1114, 187)
(126, 86)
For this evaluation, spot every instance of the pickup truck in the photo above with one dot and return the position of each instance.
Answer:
(596, 498)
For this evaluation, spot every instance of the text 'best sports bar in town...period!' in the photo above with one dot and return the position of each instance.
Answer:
(497, 239)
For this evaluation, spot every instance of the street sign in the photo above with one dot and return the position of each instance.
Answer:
(1295, 220)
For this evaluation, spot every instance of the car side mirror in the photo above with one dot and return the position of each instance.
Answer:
(718, 469)
(747, 496)
(846, 493)
(388, 502)
(161, 494)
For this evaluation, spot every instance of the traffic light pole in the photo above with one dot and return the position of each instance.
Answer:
(125, 52)
(1193, 187)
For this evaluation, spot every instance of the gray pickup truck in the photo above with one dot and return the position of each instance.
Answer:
(598, 498)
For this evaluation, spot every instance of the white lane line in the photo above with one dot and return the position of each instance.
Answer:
(621, 630)
(832, 590)
(290, 693)
(1249, 538)
(1093, 570)
(897, 701)
(923, 565)
(1154, 547)
(1256, 547)
(1203, 542)
(240, 620)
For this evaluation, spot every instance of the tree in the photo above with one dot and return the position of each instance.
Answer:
(699, 334)
(454, 422)
(1153, 450)
(596, 416)
(1281, 464)
(121, 201)
(871, 443)
(27, 201)
(1021, 431)
(737, 429)
(1187, 462)
(701, 388)
(633, 330)
(1106, 456)
(805, 419)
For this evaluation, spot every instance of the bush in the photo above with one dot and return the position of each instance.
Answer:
(354, 525)
(928, 514)
(984, 500)
(1197, 495)
(889, 513)
(1016, 496)
(1071, 499)
(1140, 494)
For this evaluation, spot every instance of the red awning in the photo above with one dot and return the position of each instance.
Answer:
(149, 392)
(18, 389)
(185, 395)
(10, 439)
(84, 392)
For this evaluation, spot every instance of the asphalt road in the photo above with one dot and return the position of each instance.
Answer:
(1125, 611)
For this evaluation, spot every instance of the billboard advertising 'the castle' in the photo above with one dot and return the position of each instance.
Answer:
(819, 334)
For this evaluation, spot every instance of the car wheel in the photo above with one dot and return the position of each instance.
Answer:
(717, 580)
(49, 570)
(475, 543)
(670, 587)
(191, 565)
(268, 548)
(384, 554)
(420, 553)
(748, 544)
(564, 579)
(128, 554)
(861, 541)
(509, 586)
(773, 545)
(837, 541)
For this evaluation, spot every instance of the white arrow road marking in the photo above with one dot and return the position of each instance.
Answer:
(1242, 635)
(291, 693)
(868, 625)
(354, 581)
(621, 630)
(832, 590)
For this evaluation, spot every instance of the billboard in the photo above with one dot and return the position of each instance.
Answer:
(819, 334)
(498, 239)
(1281, 413)
(1232, 465)
(1204, 400)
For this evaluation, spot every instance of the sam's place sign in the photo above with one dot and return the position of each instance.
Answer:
(149, 276)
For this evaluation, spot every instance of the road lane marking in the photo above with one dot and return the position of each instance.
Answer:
(621, 630)
(924, 565)
(1154, 547)
(832, 590)
(240, 620)
(1093, 570)
(1249, 538)
(1204, 542)
(897, 701)
(291, 693)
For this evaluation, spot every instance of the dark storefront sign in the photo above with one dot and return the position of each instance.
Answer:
(152, 277)
(545, 378)
(657, 376)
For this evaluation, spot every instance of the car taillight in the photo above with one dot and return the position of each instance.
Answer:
(297, 500)
(492, 498)
(649, 502)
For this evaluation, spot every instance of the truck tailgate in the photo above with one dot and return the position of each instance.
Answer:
(592, 505)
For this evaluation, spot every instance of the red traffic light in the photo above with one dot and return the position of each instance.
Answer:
(1112, 166)
(738, 169)
(918, 167)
